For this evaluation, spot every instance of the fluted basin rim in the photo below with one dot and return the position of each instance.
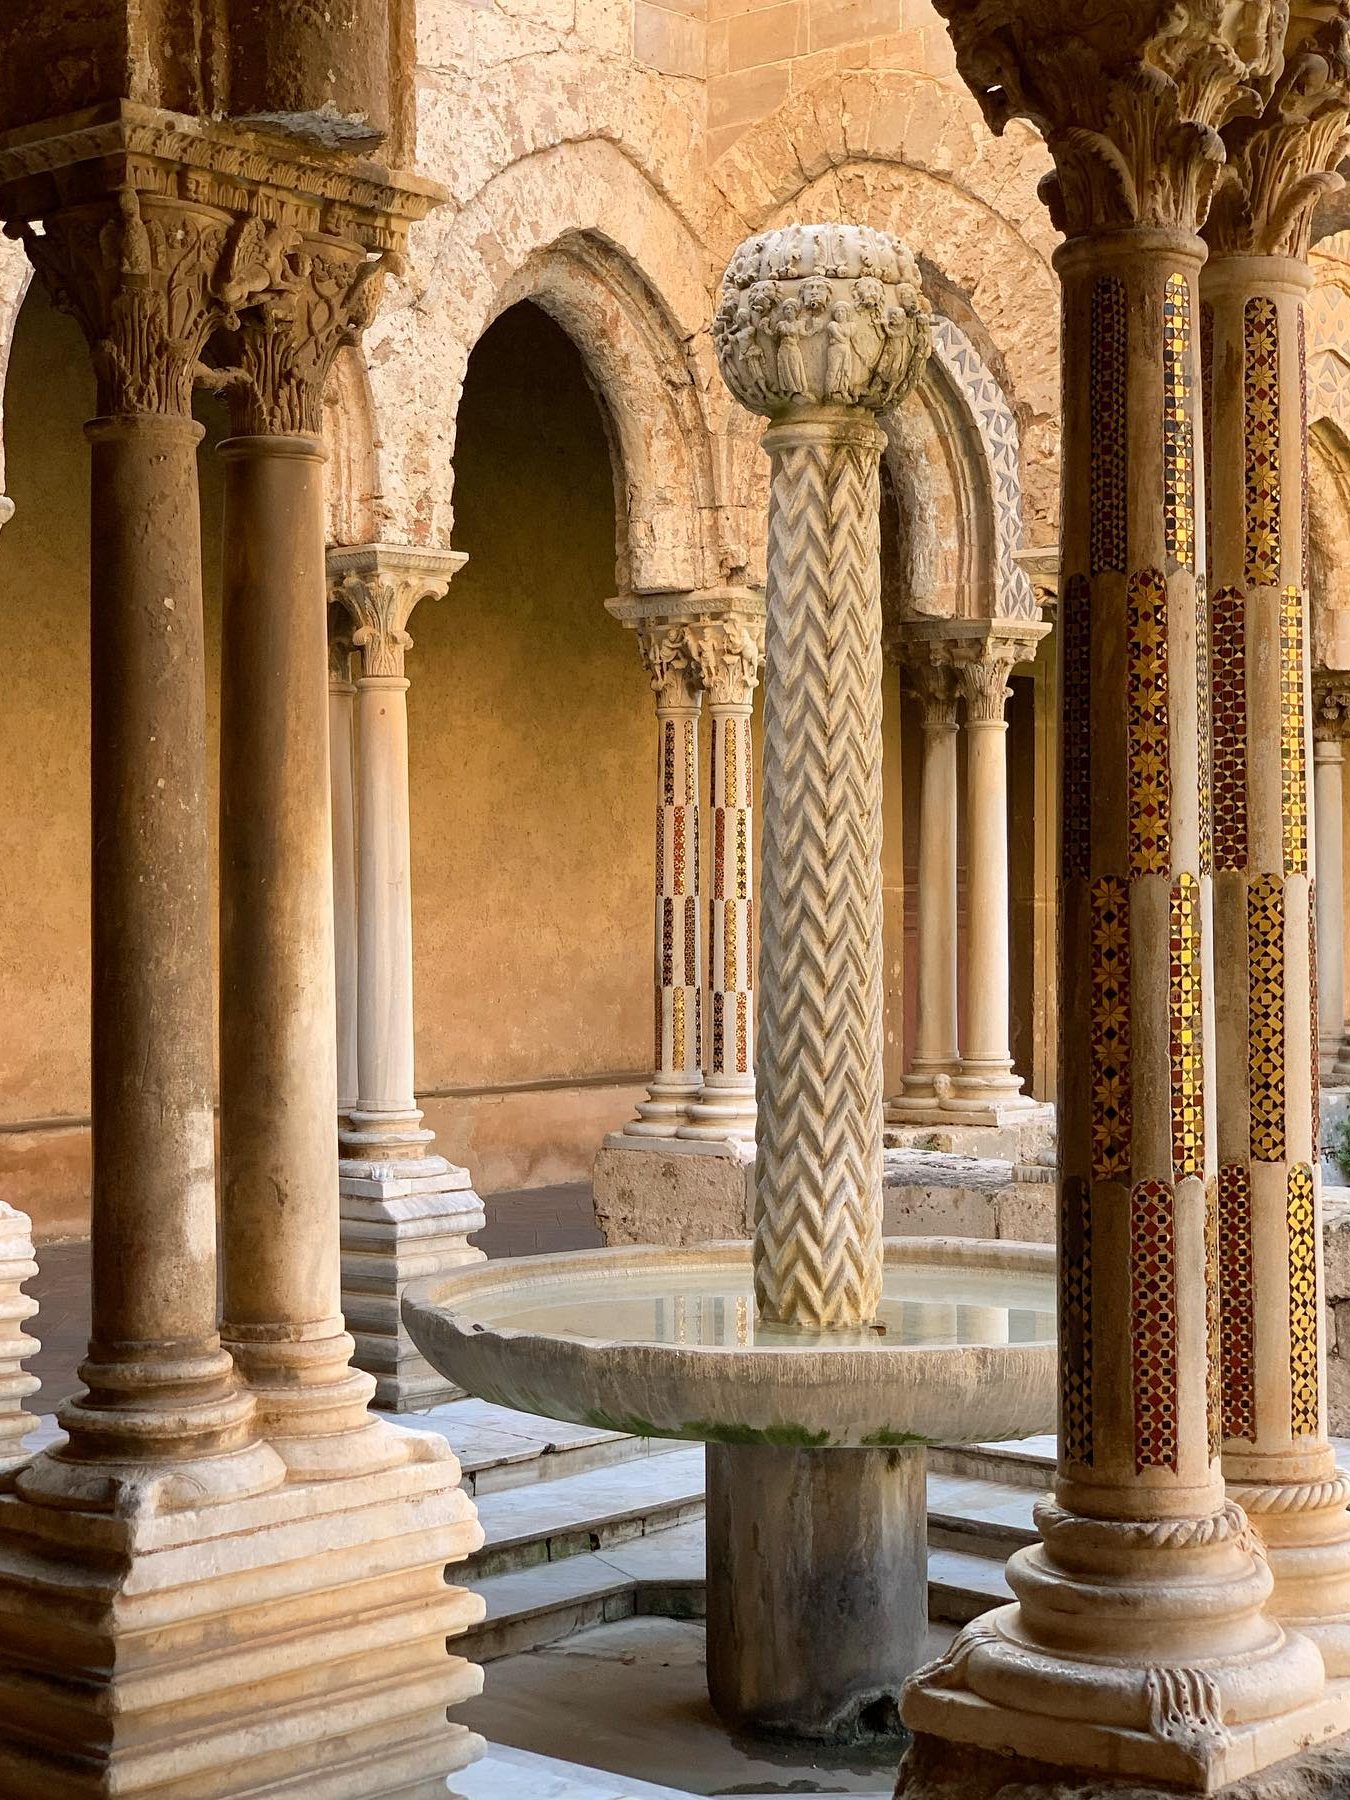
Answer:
(832, 1394)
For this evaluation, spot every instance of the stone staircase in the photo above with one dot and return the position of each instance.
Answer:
(586, 1527)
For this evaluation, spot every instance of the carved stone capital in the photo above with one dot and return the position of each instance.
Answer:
(1130, 98)
(1331, 704)
(821, 315)
(984, 676)
(320, 294)
(1282, 162)
(728, 653)
(340, 631)
(667, 652)
(379, 585)
(148, 279)
(932, 682)
(704, 639)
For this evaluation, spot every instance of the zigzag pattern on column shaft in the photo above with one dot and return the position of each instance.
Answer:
(819, 1160)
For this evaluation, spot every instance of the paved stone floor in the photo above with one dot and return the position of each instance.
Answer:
(525, 1223)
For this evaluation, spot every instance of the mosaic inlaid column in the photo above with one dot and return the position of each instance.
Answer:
(406, 1212)
(341, 763)
(1137, 1641)
(1331, 725)
(1276, 1458)
(819, 328)
(986, 1086)
(936, 1059)
(729, 652)
(667, 655)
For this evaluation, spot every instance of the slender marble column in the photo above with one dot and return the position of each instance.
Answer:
(1277, 1460)
(341, 763)
(932, 681)
(163, 1416)
(820, 327)
(667, 654)
(1331, 723)
(278, 1075)
(729, 651)
(406, 1212)
(986, 1085)
(1137, 1641)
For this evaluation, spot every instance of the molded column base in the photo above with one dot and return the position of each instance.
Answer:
(290, 1644)
(673, 1190)
(401, 1221)
(16, 1266)
(817, 1588)
(666, 1107)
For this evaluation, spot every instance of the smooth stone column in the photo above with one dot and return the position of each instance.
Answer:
(986, 1087)
(844, 1534)
(407, 1212)
(1331, 723)
(1277, 1460)
(341, 763)
(936, 1056)
(667, 654)
(17, 1265)
(163, 1420)
(1137, 1643)
(730, 651)
(819, 328)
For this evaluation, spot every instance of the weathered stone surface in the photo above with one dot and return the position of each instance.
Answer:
(666, 1195)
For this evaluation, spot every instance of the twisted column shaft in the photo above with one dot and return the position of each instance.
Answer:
(818, 1168)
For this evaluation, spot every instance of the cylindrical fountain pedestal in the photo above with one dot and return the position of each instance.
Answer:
(817, 1588)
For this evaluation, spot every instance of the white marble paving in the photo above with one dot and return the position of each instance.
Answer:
(506, 1774)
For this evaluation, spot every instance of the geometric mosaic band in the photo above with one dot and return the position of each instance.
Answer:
(1237, 1295)
(1153, 1324)
(1213, 1363)
(1109, 1048)
(1186, 1031)
(1261, 440)
(1204, 705)
(1302, 1302)
(1076, 712)
(1293, 740)
(1265, 1017)
(1228, 638)
(1108, 424)
(1075, 1320)
(1149, 771)
(1178, 423)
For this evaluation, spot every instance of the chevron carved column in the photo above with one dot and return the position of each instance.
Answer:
(819, 328)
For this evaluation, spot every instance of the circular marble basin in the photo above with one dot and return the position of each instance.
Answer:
(664, 1342)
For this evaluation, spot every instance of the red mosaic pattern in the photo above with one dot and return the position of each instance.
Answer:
(1178, 423)
(1150, 775)
(1204, 728)
(1237, 1302)
(1153, 1324)
(1075, 1320)
(1261, 440)
(1186, 1031)
(668, 762)
(1076, 712)
(1228, 713)
(1108, 356)
(1302, 1222)
(1213, 1358)
(1110, 1042)
(667, 942)
(718, 1004)
(1293, 734)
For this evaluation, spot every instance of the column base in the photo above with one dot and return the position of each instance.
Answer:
(922, 1092)
(989, 1092)
(17, 1265)
(666, 1107)
(290, 1644)
(673, 1190)
(401, 1222)
(1140, 1716)
(934, 1769)
(1305, 1528)
(724, 1112)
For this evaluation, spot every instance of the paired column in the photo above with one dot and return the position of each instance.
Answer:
(728, 652)
(278, 1086)
(1276, 1458)
(668, 656)
(342, 771)
(1138, 1641)
(820, 327)
(936, 1059)
(1331, 724)
(162, 1418)
(406, 1212)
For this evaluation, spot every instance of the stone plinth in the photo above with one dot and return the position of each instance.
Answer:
(924, 1194)
(673, 1190)
(16, 1267)
(1026, 1137)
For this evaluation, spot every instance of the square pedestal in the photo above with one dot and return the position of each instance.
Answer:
(1019, 1136)
(397, 1229)
(673, 1190)
(293, 1644)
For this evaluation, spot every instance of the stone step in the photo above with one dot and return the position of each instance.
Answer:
(1022, 1462)
(550, 1521)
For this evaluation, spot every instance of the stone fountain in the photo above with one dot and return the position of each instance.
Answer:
(818, 1362)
